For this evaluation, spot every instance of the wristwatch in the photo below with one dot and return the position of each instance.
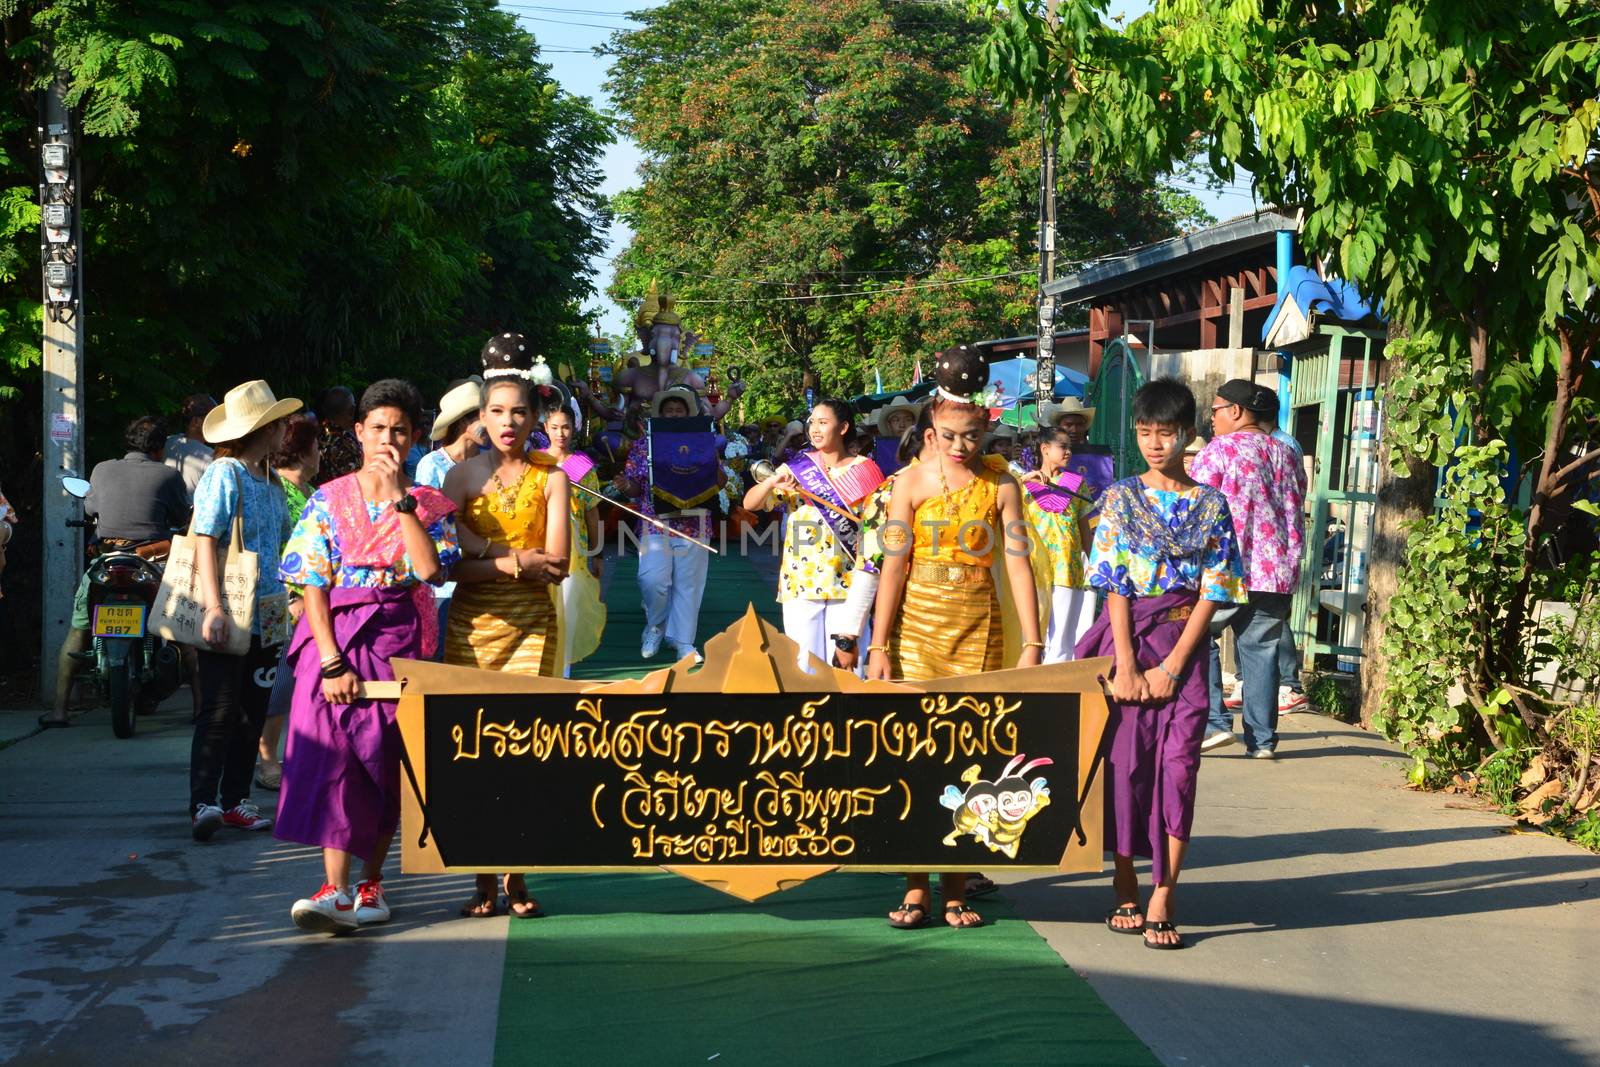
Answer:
(406, 504)
(844, 642)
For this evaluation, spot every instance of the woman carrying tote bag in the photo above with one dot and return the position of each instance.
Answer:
(245, 429)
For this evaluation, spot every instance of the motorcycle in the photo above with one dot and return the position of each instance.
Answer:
(133, 668)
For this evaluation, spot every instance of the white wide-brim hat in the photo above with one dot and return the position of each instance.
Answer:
(880, 418)
(1050, 414)
(465, 399)
(676, 392)
(245, 410)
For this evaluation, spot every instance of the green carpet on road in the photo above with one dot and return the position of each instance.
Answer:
(636, 968)
(654, 968)
(732, 584)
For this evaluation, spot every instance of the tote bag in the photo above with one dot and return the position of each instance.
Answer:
(180, 605)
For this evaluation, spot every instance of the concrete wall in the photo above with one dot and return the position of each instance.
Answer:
(1203, 370)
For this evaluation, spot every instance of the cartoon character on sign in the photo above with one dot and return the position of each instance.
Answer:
(997, 812)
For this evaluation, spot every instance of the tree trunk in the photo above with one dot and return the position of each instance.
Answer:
(1401, 501)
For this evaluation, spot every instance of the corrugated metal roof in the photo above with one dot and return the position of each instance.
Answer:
(1178, 253)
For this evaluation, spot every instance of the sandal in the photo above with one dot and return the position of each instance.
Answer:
(481, 906)
(48, 723)
(269, 777)
(979, 886)
(1125, 911)
(922, 917)
(519, 898)
(1162, 928)
(958, 909)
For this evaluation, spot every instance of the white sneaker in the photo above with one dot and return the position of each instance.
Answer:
(1218, 739)
(371, 907)
(651, 644)
(1290, 700)
(682, 651)
(327, 911)
(207, 819)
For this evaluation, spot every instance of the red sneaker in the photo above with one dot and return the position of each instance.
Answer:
(246, 816)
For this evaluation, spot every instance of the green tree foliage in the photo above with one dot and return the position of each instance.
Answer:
(817, 176)
(310, 192)
(1444, 153)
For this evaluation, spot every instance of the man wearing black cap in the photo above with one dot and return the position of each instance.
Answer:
(1265, 484)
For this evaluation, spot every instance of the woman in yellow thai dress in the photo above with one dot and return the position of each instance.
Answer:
(938, 612)
(513, 511)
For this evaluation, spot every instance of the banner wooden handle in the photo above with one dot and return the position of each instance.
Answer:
(380, 690)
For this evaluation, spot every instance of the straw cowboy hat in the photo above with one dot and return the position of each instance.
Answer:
(676, 392)
(1050, 414)
(245, 410)
(457, 404)
(880, 418)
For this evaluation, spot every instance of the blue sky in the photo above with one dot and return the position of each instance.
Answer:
(568, 29)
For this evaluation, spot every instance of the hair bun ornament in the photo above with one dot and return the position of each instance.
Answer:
(508, 355)
(540, 373)
(961, 375)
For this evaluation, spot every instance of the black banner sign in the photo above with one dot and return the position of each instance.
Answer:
(932, 781)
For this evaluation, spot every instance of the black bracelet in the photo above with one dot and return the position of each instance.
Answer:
(337, 670)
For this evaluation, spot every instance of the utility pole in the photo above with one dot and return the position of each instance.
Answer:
(61, 244)
(1045, 376)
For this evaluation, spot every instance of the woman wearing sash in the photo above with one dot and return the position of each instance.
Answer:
(514, 518)
(1059, 517)
(820, 543)
(362, 552)
(583, 616)
(954, 518)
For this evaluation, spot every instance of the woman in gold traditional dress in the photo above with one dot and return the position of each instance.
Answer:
(514, 519)
(960, 515)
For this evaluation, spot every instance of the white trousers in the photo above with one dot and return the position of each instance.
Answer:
(1071, 615)
(811, 624)
(672, 581)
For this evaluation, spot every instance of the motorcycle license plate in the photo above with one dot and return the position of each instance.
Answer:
(119, 620)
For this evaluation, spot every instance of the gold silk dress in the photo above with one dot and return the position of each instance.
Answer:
(507, 625)
(949, 621)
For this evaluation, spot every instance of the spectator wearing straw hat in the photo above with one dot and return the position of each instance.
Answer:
(246, 429)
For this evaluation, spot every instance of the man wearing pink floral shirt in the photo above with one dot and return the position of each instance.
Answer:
(1265, 484)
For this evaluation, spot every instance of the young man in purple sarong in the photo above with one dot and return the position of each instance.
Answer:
(365, 552)
(1164, 555)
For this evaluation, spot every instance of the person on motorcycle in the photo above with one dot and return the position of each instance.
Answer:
(135, 500)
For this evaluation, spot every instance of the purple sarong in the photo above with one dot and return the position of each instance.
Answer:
(341, 765)
(1153, 750)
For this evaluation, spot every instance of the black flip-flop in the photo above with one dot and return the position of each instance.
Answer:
(511, 909)
(958, 909)
(922, 919)
(470, 910)
(47, 723)
(1125, 911)
(1162, 928)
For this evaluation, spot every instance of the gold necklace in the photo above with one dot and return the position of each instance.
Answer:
(505, 496)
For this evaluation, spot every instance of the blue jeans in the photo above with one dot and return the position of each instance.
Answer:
(1257, 629)
(1289, 661)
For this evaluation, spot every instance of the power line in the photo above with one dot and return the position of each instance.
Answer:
(863, 292)
(570, 11)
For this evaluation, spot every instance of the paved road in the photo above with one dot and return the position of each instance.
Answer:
(1337, 919)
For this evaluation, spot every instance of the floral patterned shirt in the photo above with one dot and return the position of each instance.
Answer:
(312, 555)
(1265, 484)
(265, 518)
(1059, 533)
(1117, 565)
